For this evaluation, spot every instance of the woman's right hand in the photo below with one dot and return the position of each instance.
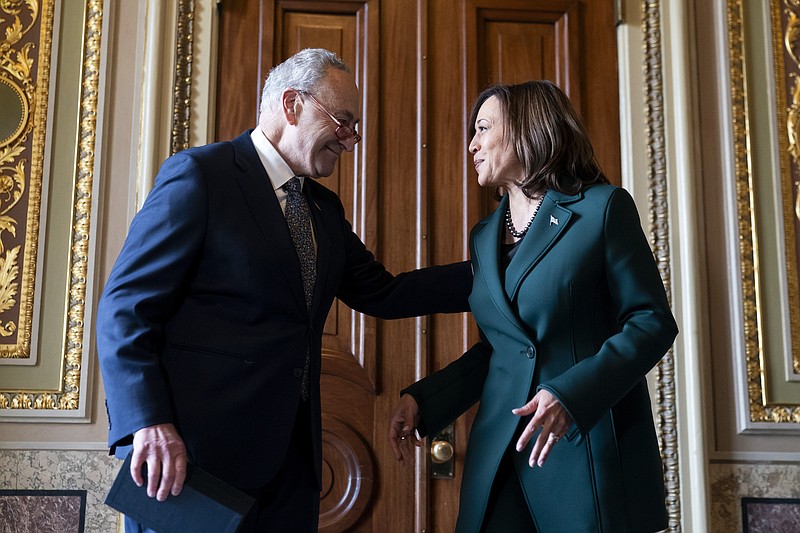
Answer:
(402, 426)
(549, 416)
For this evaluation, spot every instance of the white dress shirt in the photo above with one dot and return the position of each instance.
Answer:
(277, 169)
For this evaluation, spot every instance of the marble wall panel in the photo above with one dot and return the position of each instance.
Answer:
(731, 482)
(771, 515)
(47, 470)
(8, 469)
(42, 511)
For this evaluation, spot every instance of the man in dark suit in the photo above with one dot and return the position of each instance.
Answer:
(209, 330)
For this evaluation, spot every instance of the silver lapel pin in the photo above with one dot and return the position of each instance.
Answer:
(553, 220)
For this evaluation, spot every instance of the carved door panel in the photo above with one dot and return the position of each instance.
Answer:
(410, 191)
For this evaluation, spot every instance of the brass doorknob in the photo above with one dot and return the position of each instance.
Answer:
(441, 451)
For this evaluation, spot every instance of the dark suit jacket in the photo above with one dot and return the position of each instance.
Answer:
(203, 321)
(580, 311)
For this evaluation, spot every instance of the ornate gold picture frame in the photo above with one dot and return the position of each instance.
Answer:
(56, 387)
(27, 34)
(762, 412)
(785, 19)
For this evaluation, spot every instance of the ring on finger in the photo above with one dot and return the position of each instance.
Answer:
(553, 437)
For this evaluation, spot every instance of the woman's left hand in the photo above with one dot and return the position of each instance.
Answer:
(548, 414)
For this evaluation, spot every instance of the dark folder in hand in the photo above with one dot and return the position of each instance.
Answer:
(205, 505)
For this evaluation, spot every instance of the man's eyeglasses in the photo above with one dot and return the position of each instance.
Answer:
(343, 133)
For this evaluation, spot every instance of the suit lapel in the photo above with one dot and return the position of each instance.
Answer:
(486, 249)
(265, 209)
(550, 222)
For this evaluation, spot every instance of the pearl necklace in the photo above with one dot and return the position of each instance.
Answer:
(510, 225)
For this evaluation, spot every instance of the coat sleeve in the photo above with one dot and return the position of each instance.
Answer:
(594, 385)
(446, 394)
(145, 286)
(368, 287)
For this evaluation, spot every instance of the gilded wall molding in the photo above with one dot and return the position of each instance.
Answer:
(25, 51)
(658, 213)
(69, 395)
(182, 88)
(759, 409)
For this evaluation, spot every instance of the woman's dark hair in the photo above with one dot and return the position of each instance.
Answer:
(548, 137)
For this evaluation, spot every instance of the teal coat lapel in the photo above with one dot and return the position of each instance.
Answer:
(486, 251)
(551, 220)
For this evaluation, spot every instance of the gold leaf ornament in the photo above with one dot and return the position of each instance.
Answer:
(9, 270)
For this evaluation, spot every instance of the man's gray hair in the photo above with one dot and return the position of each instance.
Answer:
(303, 71)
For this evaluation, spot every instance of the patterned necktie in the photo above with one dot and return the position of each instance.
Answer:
(298, 217)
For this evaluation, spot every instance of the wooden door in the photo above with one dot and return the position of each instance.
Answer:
(411, 193)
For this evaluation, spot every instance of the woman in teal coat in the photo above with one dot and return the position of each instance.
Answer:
(572, 315)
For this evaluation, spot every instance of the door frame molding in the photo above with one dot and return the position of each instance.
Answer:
(664, 172)
(657, 86)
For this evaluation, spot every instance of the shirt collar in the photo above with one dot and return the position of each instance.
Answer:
(277, 169)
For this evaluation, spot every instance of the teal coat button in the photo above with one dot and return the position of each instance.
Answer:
(530, 352)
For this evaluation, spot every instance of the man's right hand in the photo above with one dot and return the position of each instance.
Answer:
(163, 450)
